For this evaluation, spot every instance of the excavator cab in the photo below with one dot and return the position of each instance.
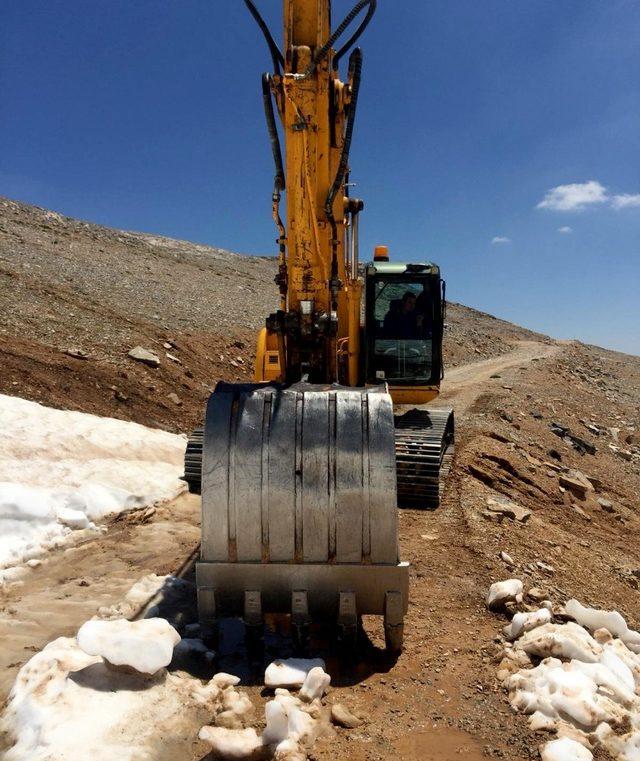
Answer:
(404, 321)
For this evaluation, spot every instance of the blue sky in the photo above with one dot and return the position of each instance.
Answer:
(147, 115)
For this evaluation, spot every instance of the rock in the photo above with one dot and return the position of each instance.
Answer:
(140, 354)
(575, 484)
(537, 595)
(120, 396)
(174, 398)
(606, 505)
(509, 509)
(581, 513)
(537, 415)
(173, 359)
(77, 353)
(553, 453)
(506, 558)
(503, 592)
(343, 717)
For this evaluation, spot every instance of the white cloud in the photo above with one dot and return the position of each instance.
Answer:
(574, 197)
(625, 201)
(566, 230)
(501, 239)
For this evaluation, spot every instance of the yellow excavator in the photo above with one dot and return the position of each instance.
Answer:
(302, 472)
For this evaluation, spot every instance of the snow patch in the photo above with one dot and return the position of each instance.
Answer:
(66, 704)
(146, 645)
(61, 471)
(586, 688)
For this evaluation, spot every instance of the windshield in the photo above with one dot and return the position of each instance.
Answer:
(403, 322)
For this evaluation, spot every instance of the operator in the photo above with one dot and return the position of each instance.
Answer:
(400, 321)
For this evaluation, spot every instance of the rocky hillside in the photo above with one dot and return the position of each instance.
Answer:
(76, 297)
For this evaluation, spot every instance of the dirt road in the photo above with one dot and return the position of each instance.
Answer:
(464, 384)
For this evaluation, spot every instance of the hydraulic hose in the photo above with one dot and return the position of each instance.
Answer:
(355, 74)
(339, 31)
(276, 54)
(279, 181)
(356, 36)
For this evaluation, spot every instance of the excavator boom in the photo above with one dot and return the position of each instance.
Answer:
(300, 472)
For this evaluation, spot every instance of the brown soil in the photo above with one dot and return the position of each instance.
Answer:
(440, 700)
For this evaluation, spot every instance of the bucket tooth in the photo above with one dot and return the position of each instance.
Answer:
(300, 618)
(347, 618)
(393, 621)
(253, 608)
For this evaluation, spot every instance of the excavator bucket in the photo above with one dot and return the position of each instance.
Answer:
(299, 509)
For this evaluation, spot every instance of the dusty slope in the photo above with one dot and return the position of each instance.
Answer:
(67, 285)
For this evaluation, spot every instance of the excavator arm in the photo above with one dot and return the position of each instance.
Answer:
(315, 334)
(297, 471)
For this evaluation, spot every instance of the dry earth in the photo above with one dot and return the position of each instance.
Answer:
(440, 700)
(71, 286)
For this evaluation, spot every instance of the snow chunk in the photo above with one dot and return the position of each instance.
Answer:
(565, 750)
(560, 690)
(290, 672)
(232, 743)
(146, 645)
(561, 641)
(62, 471)
(287, 720)
(525, 622)
(502, 592)
(611, 620)
(315, 685)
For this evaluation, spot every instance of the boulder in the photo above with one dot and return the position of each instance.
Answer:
(140, 354)
(343, 717)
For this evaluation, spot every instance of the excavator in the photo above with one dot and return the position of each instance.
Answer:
(302, 472)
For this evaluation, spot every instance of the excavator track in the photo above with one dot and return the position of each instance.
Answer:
(424, 453)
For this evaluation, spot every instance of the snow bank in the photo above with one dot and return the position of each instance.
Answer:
(586, 687)
(69, 703)
(61, 471)
(66, 704)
